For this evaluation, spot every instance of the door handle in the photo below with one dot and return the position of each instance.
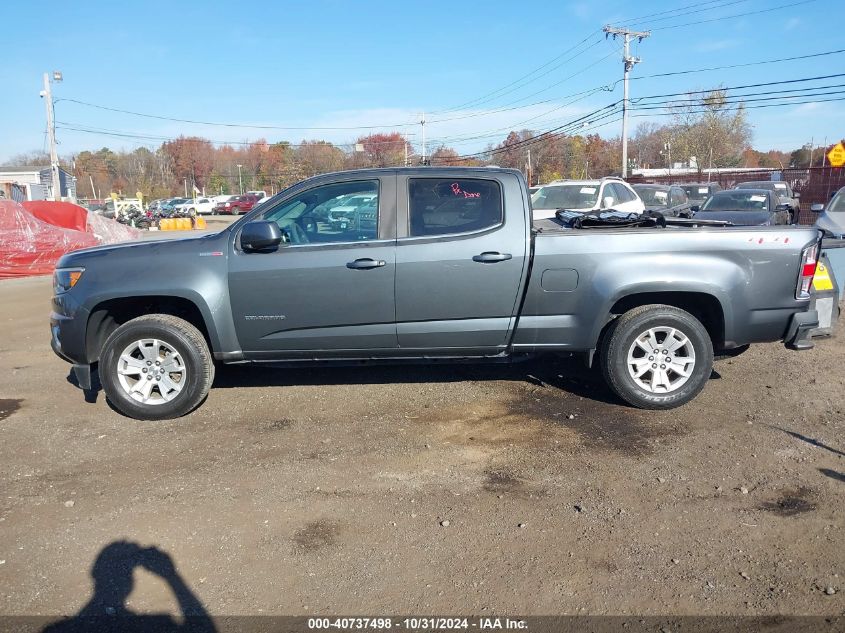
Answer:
(365, 264)
(490, 257)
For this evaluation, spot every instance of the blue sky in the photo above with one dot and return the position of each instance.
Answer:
(332, 64)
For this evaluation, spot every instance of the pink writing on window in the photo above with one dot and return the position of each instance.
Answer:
(456, 189)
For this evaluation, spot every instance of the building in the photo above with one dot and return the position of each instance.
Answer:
(35, 182)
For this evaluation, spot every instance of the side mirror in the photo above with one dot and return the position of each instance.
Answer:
(817, 208)
(694, 208)
(607, 202)
(262, 236)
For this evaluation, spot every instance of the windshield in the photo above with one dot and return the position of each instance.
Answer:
(737, 200)
(653, 196)
(575, 196)
(696, 192)
(779, 188)
(837, 205)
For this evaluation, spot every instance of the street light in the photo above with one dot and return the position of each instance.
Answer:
(240, 180)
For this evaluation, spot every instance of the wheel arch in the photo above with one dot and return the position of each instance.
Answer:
(109, 314)
(705, 307)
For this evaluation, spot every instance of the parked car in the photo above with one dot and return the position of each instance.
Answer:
(698, 192)
(832, 218)
(200, 206)
(455, 269)
(669, 200)
(782, 189)
(236, 205)
(167, 207)
(748, 207)
(187, 207)
(352, 209)
(585, 195)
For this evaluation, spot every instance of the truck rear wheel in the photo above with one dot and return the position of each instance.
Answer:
(656, 357)
(156, 367)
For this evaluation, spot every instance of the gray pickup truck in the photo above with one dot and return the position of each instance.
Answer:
(439, 263)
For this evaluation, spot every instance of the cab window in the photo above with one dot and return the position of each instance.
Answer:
(331, 213)
(439, 206)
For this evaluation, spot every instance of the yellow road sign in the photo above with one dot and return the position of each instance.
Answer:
(836, 156)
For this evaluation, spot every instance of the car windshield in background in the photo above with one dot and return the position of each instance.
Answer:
(837, 205)
(653, 196)
(737, 200)
(574, 196)
(778, 187)
(696, 192)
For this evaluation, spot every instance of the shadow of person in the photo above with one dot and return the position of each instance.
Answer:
(106, 611)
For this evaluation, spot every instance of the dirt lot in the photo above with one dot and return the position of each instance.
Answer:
(524, 489)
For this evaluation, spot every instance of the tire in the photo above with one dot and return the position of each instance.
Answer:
(622, 357)
(177, 344)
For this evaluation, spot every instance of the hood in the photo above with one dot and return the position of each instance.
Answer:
(744, 218)
(833, 223)
(141, 249)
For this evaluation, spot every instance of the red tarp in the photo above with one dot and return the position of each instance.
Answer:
(62, 214)
(32, 240)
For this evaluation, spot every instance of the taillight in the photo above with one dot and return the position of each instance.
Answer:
(809, 259)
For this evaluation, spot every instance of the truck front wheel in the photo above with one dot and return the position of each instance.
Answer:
(656, 357)
(156, 367)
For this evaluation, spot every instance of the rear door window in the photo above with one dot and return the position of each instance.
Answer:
(440, 206)
(622, 193)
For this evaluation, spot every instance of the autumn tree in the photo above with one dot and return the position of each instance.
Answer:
(319, 157)
(708, 124)
(190, 158)
(384, 150)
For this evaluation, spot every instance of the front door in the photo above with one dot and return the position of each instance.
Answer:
(329, 291)
(460, 262)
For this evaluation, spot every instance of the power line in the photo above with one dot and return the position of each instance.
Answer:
(239, 125)
(758, 63)
(757, 85)
(736, 15)
(495, 93)
(751, 107)
(684, 13)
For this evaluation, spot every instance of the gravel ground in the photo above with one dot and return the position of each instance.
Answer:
(464, 489)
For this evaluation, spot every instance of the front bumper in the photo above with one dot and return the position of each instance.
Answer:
(800, 329)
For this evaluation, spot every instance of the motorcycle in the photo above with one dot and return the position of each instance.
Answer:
(135, 217)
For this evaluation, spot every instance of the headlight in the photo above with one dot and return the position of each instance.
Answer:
(66, 278)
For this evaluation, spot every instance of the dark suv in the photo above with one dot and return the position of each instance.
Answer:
(698, 192)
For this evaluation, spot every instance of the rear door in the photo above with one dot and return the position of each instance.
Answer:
(329, 292)
(461, 260)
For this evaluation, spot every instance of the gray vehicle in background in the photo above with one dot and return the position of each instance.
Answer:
(670, 200)
(451, 269)
(747, 207)
(781, 189)
(832, 218)
(698, 192)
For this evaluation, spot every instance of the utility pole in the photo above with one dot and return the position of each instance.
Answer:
(405, 143)
(812, 146)
(628, 63)
(529, 167)
(240, 180)
(47, 94)
(422, 123)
